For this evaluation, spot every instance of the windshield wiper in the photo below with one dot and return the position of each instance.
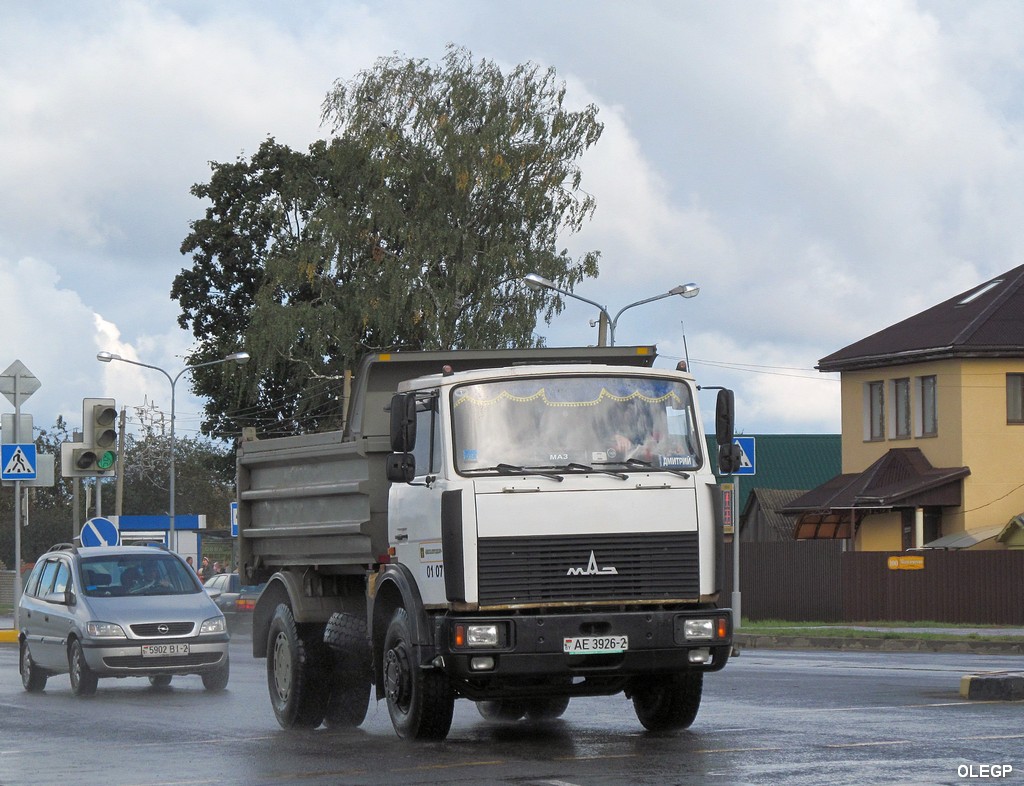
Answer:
(635, 462)
(512, 469)
(588, 468)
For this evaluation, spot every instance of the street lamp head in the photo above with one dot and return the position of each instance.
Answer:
(537, 283)
(241, 358)
(106, 357)
(685, 290)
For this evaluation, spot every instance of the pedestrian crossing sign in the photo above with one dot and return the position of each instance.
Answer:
(18, 461)
(748, 464)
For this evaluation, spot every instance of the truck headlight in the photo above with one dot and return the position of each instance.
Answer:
(487, 634)
(104, 630)
(699, 629)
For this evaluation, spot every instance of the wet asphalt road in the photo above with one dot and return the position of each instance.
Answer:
(770, 717)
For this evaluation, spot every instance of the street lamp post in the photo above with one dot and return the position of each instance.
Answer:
(607, 322)
(241, 358)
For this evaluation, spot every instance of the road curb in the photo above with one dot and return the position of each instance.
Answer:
(877, 644)
(997, 686)
(8, 636)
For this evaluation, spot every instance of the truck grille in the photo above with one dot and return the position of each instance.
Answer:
(560, 568)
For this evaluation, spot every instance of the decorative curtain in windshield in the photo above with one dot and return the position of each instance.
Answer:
(553, 422)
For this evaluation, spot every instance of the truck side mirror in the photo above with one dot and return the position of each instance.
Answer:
(403, 422)
(725, 417)
(401, 467)
(725, 426)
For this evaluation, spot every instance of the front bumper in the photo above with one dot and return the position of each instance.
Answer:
(533, 648)
(124, 658)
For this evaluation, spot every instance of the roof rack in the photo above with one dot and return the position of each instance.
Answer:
(63, 547)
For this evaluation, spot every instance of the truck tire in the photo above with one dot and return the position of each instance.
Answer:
(546, 709)
(420, 702)
(83, 679)
(502, 710)
(33, 678)
(668, 702)
(345, 637)
(296, 673)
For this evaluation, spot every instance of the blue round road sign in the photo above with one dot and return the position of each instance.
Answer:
(100, 532)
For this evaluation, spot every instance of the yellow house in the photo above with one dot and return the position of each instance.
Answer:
(932, 429)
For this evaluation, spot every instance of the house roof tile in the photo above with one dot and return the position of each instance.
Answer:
(985, 321)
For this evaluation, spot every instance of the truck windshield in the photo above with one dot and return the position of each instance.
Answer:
(574, 424)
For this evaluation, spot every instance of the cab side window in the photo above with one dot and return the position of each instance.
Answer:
(428, 443)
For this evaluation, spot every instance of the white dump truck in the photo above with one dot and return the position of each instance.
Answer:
(512, 527)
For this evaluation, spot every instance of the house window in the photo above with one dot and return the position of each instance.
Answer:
(1015, 398)
(901, 408)
(874, 411)
(926, 419)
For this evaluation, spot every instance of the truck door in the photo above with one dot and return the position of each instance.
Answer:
(414, 520)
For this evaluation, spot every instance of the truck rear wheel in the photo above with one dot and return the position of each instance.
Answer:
(296, 673)
(502, 710)
(669, 702)
(345, 637)
(421, 702)
(546, 709)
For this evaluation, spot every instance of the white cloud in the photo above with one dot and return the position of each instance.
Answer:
(821, 170)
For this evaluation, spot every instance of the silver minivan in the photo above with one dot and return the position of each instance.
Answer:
(118, 611)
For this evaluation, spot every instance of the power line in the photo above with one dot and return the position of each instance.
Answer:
(753, 368)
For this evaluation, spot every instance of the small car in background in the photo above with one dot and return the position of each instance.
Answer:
(235, 600)
(118, 611)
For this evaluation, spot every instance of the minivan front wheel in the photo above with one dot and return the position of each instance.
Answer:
(83, 679)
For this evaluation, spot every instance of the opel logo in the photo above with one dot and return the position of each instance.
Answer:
(163, 629)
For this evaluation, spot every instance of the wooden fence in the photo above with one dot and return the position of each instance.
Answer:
(816, 580)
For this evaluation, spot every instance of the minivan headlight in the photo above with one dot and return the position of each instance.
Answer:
(104, 630)
(213, 625)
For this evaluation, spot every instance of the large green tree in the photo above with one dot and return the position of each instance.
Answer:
(411, 228)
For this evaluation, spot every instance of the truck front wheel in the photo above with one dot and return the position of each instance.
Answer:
(668, 702)
(421, 702)
(296, 673)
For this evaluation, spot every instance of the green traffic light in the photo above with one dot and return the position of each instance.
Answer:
(106, 459)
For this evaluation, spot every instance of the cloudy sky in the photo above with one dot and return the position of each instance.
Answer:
(821, 169)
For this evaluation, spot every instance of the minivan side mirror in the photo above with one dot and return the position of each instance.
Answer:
(403, 422)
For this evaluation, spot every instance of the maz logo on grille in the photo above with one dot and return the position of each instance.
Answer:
(592, 569)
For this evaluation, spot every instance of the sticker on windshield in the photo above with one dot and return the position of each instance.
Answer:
(677, 461)
(469, 454)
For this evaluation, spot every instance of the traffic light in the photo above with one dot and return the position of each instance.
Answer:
(104, 435)
(96, 454)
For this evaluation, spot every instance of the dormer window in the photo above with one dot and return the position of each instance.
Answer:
(980, 291)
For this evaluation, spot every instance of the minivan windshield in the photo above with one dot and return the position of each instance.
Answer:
(572, 424)
(137, 574)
